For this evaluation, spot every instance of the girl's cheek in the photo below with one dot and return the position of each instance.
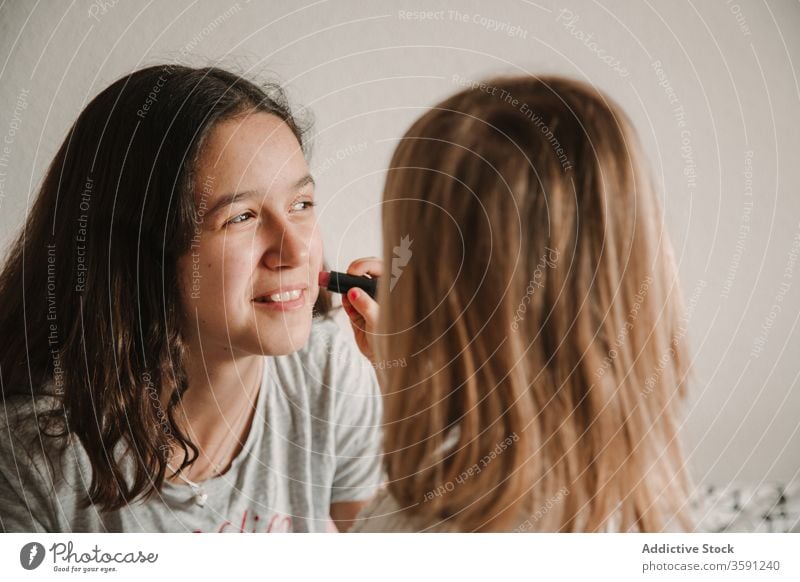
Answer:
(316, 250)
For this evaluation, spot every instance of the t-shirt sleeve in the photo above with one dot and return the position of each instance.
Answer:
(358, 425)
(25, 495)
(19, 513)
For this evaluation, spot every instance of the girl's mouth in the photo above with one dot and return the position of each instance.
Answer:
(283, 300)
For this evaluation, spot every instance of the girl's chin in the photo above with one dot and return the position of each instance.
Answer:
(283, 340)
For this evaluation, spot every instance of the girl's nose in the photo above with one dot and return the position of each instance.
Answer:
(288, 248)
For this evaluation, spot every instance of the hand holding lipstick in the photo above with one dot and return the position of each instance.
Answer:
(360, 307)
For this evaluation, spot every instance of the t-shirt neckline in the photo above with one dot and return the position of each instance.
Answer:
(183, 491)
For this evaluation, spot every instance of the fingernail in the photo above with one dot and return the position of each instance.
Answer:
(352, 294)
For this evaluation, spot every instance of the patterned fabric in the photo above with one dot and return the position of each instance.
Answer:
(764, 508)
(768, 507)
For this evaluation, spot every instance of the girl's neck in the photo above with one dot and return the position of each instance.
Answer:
(217, 410)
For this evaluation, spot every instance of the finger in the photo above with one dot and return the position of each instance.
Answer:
(357, 322)
(358, 325)
(355, 316)
(364, 305)
(372, 266)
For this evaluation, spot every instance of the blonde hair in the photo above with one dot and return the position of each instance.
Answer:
(534, 301)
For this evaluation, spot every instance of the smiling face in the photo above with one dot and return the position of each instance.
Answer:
(249, 280)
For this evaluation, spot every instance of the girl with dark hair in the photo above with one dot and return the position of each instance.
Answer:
(159, 366)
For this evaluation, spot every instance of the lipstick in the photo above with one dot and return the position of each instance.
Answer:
(342, 283)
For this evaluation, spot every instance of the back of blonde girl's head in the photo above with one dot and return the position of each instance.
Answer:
(531, 322)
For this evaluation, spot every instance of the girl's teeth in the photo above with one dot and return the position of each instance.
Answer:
(285, 296)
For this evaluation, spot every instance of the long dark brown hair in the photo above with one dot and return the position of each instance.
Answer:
(89, 293)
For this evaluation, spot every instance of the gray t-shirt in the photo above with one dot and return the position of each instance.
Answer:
(315, 440)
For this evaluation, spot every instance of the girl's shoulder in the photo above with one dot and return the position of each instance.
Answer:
(34, 435)
(36, 469)
(327, 385)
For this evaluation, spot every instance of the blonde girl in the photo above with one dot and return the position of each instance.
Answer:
(538, 317)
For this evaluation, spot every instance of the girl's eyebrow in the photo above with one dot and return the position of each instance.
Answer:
(228, 199)
(232, 198)
(304, 181)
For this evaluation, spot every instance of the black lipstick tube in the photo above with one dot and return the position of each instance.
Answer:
(342, 283)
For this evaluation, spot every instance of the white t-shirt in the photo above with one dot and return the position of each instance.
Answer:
(314, 440)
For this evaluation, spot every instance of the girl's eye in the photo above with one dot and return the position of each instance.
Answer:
(303, 205)
(236, 219)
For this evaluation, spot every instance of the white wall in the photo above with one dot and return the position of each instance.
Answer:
(366, 70)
